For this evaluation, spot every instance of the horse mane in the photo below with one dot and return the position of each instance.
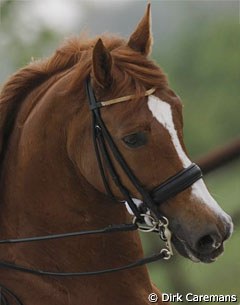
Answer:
(74, 53)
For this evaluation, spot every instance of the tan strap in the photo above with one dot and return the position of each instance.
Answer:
(126, 98)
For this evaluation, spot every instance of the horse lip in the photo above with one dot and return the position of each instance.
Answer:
(185, 250)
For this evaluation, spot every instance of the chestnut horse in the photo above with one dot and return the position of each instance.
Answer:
(51, 181)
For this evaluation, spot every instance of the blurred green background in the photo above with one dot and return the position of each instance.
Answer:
(197, 44)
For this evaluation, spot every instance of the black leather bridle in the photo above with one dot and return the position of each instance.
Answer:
(104, 144)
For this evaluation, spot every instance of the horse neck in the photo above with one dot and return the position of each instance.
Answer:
(41, 185)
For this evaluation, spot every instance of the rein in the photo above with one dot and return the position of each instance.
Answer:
(163, 254)
(103, 143)
(159, 227)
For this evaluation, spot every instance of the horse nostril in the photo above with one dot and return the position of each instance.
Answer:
(208, 243)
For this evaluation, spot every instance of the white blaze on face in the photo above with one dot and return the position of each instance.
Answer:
(162, 112)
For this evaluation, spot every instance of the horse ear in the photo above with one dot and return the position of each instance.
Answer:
(141, 39)
(102, 65)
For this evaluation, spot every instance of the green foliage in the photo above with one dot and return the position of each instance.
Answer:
(205, 72)
(22, 41)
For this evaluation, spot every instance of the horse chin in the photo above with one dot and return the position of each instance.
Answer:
(185, 250)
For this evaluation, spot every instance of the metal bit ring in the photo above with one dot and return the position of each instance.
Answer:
(148, 228)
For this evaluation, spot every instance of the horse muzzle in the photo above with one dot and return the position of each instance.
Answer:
(202, 246)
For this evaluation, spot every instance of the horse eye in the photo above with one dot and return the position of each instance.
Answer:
(135, 140)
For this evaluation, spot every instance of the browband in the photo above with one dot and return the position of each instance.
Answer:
(121, 99)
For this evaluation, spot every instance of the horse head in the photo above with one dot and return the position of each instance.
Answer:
(148, 132)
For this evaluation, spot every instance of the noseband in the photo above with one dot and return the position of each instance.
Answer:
(104, 145)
